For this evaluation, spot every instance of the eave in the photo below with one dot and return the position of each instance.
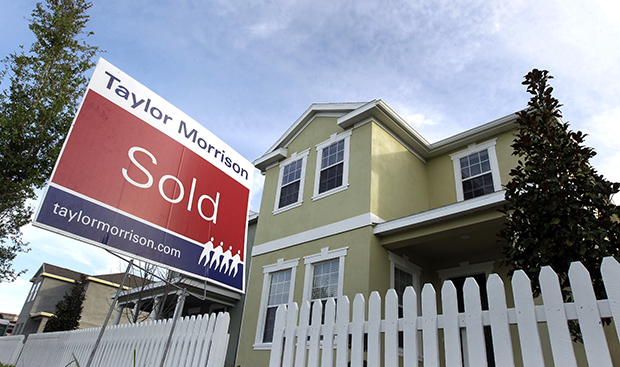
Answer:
(444, 213)
(349, 114)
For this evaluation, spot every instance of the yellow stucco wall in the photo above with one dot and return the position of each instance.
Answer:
(312, 214)
(363, 253)
(442, 190)
(398, 178)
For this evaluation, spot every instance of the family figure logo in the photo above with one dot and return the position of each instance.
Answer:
(222, 259)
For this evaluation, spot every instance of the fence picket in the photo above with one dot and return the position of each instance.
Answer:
(219, 343)
(342, 327)
(410, 327)
(275, 359)
(451, 330)
(593, 335)
(429, 326)
(302, 334)
(206, 346)
(529, 338)
(357, 331)
(374, 330)
(610, 269)
(328, 333)
(391, 329)
(498, 314)
(315, 337)
(559, 335)
(476, 351)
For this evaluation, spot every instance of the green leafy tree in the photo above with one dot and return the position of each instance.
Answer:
(68, 311)
(559, 209)
(36, 111)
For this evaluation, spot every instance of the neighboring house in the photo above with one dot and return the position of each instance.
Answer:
(355, 200)
(7, 323)
(158, 300)
(49, 285)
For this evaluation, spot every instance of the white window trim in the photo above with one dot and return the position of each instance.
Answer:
(294, 157)
(346, 135)
(403, 263)
(267, 271)
(473, 148)
(324, 255)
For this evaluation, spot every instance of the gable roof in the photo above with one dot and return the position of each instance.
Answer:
(349, 114)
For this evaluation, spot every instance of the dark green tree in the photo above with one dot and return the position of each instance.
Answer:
(36, 111)
(559, 209)
(68, 311)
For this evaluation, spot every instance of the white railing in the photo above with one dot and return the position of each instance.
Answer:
(197, 341)
(310, 343)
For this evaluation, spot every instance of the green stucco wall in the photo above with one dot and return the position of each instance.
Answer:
(399, 178)
(312, 214)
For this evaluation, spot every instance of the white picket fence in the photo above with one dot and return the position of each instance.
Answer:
(10, 347)
(311, 343)
(197, 341)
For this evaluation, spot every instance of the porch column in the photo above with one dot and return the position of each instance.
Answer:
(135, 312)
(156, 307)
(119, 313)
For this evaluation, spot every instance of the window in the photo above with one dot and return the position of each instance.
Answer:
(476, 171)
(278, 295)
(278, 287)
(332, 166)
(325, 280)
(324, 274)
(291, 182)
(476, 175)
(404, 274)
(33, 291)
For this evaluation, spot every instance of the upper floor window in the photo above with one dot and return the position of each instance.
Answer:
(33, 291)
(332, 168)
(291, 182)
(476, 175)
(476, 171)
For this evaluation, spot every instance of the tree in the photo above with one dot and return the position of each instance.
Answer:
(68, 311)
(36, 111)
(559, 209)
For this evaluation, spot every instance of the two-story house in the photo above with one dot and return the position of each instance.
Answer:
(355, 200)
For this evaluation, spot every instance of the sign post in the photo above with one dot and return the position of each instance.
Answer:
(139, 177)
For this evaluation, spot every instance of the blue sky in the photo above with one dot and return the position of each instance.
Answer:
(247, 70)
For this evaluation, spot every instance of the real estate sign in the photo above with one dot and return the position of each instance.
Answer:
(138, 176)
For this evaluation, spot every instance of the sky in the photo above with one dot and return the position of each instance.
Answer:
(246, 70)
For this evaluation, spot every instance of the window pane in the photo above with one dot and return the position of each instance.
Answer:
(278, 294)
(292, 172)
(478, 186)
(270, 321)
(325, 279)
(332, 154)
(331, 178)
(289, 194)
